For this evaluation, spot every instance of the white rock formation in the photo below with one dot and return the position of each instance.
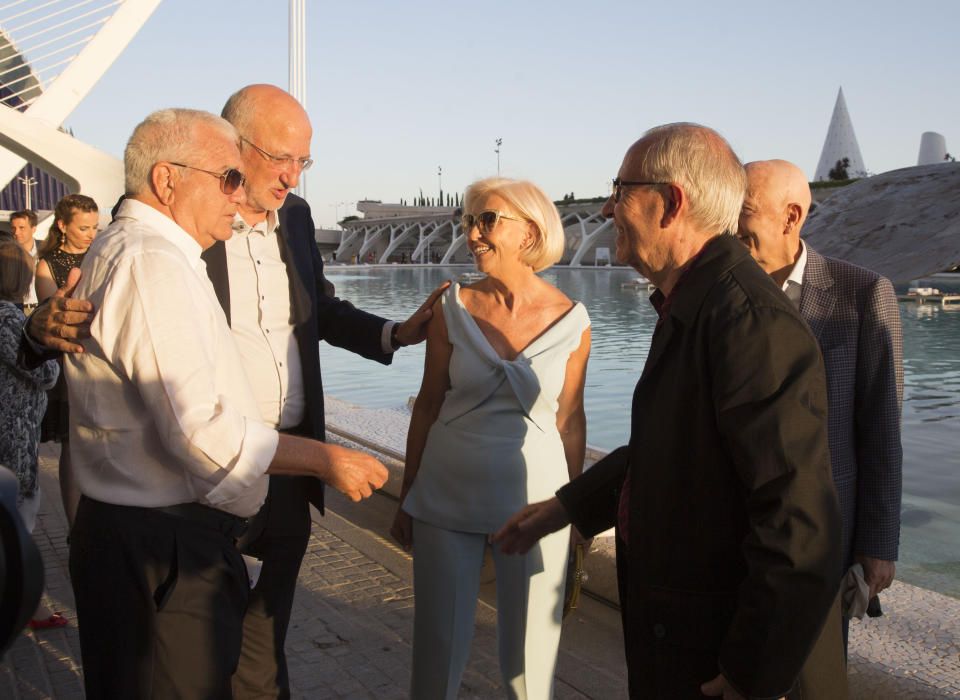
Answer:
(904, 224)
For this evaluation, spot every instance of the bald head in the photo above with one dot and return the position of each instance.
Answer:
(253, 106)
(276, 134)
(774, 209)
(782, 182)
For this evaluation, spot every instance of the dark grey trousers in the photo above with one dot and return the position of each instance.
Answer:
(278, 536)
(160, 601)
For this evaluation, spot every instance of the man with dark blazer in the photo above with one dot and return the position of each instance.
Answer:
(269, 279)
(854, 315)
(728, 548)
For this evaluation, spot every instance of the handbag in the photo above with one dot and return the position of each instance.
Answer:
(575, 578)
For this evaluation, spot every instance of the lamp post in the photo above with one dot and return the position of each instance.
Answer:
(29, 182)
(297, 65)
(497, 151)
(440, 184)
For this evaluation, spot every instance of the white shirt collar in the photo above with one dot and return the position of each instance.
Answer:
(272, 224)
(164, 226)
(796, 274)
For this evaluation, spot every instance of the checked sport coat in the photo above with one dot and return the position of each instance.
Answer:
(854, 315)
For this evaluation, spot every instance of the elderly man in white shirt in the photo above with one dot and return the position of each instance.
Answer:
(170, 451)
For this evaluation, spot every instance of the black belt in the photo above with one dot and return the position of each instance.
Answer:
(226, 523)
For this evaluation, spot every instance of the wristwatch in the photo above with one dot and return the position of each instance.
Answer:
(394, 339)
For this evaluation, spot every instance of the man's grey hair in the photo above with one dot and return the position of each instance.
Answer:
(167, 135)
(702, 162)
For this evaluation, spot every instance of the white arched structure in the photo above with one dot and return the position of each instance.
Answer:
(591, 227)
(43, 33)
(387, 234)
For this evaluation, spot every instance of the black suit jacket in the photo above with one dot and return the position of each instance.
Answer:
(733, 551)
(315, 315)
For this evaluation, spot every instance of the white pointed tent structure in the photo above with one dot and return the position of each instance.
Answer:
(841, 143)
(62, 48)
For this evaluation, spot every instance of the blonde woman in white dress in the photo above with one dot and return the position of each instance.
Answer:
(498, 424)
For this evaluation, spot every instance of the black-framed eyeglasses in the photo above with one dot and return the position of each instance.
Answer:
(486, 220)
(231, 179)
(280, 162)
(619, 184)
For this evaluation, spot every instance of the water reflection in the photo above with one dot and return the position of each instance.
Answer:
(623, 323)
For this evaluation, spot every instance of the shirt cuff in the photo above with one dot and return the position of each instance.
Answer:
(34, 345)
(385, 344)
(257, 452)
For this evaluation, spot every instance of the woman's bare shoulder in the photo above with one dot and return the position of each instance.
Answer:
(553, 297)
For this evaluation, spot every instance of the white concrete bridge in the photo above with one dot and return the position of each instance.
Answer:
(397, 233)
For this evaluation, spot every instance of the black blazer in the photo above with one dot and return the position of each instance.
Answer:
(315, 315)
(733, 556)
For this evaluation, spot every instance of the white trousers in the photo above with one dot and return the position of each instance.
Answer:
(446, 585)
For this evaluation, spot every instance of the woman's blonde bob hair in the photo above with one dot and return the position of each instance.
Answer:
(529, 201)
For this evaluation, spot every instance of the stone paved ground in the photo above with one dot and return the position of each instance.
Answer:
(353, 618)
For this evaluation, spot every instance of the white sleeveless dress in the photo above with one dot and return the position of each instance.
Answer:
(495, 446)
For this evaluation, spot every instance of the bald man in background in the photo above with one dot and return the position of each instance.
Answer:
(854, 315)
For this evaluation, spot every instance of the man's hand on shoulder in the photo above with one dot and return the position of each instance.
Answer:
(878, 573)
(61, 320)
(414, 329)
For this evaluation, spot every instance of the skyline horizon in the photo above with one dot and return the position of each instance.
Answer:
(396, 92)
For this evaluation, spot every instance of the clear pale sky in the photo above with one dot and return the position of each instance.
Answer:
(396, 89)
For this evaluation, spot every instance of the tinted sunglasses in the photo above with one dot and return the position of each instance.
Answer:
(231, 179)
(486, 220)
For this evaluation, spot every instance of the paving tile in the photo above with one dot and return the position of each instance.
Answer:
(354, 622)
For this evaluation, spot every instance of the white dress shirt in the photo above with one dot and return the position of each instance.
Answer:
(793, 284)
(31, 297)
(161, 411)
(260, 318)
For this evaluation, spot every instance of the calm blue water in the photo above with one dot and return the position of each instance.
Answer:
(623, 322)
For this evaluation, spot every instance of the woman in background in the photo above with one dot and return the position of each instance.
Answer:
(74, 227)
(22, 399)
(498, 424)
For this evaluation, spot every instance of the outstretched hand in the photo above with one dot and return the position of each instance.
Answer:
(529, 524)
(61, 320)
(353, 473)
(414, 329)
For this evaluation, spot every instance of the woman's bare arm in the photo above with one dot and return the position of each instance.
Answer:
(571, 419)
(46, 286)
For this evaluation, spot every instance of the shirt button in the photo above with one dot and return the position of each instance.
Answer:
(281, 364)
(258, 262)
(659, 631)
